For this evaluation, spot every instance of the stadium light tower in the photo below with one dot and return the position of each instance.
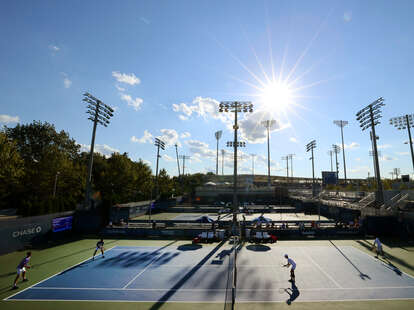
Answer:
(330, 153)
(100, 113)
(222, 161)
(336, 149)
(287, 166)
(159, 144)
(217, 134)
(268, 124)
(184, 157)
(369, 117)
(291, 164)
(309, 147)
(235, 107)
(178, 162)
(402, 122)
(342, 124)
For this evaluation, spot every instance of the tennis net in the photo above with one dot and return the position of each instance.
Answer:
(230, 297)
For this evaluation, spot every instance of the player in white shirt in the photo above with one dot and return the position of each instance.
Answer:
(291, 262)
(378, 243)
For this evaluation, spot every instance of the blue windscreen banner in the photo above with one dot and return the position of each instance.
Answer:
(329, 178)
(62, 223)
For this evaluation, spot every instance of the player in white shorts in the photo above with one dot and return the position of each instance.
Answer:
(291, 262)
(21, 269)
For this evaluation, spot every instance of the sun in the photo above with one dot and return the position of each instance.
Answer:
(276, 96)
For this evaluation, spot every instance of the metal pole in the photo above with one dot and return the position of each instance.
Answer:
(235, 169)
(287, 168)
(217, 157)
(313, 176)
(183, 164)
(410, 140)
(343, 148)
(88, 180)
(54, 187)
(330, 153)
(268, 154)
(374, 136)
(156, 172)
(222, 162)
(291, 166)
(178, 162)
(337, 168)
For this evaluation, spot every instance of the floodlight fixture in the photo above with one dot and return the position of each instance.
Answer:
(100, 113)
(342, 124)
(405, 122)
(268, 124)
(309, 147)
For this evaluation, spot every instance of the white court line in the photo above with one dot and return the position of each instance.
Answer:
(7, 298)
(143, 270)
(320, 268)
(222, 289)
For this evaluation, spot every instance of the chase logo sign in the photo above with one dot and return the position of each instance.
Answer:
(27, 231)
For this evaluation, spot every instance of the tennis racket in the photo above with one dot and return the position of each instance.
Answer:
(282, 290)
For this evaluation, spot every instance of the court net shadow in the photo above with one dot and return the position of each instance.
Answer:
(362, 275)
(163, 299)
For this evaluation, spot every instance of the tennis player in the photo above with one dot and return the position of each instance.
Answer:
(378, 244)
(99, 246)
(21, 269)
(291, 262)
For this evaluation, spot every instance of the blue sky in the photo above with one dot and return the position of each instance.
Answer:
(165, 65)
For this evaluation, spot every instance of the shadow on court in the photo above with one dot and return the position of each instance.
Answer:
(362, 275)
(189, 247)
(367, 245)
(258, 247)
(163, 299)
(293, 293)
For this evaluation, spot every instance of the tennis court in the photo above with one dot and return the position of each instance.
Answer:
(196, 273)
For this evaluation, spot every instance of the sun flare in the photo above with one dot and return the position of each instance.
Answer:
(276, 96)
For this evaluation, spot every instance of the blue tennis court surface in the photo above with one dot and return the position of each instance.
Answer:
(199, 274)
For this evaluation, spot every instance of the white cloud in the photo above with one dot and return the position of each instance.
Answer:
(167, 158)
(6, 119)
(386, 158)
(384, 146)
(185, 134)
(146, 138)
(201, 107)
(102, 149)
(130, 79)
(200, 149)
(347, 16)
(252, 130)
(358, 159)
(170, 137)
(119, 88)
(182, 117)
(54, 48)
(66, 81)
(293, 139)
(402, 153)
(146, 162)
(359, 169)
(352, 145)
(135, 103)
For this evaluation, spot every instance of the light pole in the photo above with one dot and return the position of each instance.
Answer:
(342, 124)
(402, 122)
(287, 167)
(217, 134)
(178, 162)
(54, 187)
(336, 149)
(291, 164)
(184, 157)
(159, 144)
(222, 161)
(330, 153)
(397, 172)
(369, 118)
(309, 147)
(235, 107)
(268, 124)
(253, 156)
(100, 113)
